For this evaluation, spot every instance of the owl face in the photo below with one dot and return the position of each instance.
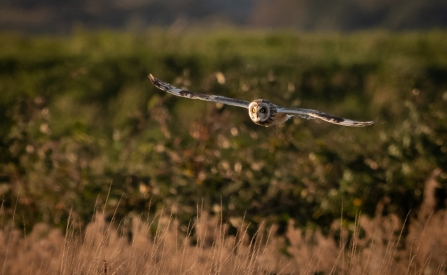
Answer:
(259, 111)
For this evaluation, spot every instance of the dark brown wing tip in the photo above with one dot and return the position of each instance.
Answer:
(152, 78)
(155, 81)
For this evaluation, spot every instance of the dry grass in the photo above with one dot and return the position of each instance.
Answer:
(372, 246)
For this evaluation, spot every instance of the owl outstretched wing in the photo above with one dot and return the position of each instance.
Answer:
(164, 86)
(312, 114)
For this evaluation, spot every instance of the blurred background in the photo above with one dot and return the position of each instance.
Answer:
(82, 127)
(344, 15)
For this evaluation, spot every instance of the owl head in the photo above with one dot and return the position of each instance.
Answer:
(261, 111)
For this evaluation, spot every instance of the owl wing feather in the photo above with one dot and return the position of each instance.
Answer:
(164, 86)
(312, 114)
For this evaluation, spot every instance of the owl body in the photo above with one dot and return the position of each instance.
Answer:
(265, 113)
(261, 111)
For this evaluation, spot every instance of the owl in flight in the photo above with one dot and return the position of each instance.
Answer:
(261, 111)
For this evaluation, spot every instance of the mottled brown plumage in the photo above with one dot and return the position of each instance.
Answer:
(261, 111)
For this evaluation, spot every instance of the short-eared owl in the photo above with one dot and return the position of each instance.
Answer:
(261, 111)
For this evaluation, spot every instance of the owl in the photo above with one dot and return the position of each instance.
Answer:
(261, 111)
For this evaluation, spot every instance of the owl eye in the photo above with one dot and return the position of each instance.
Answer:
(262, 110)
(253, 110)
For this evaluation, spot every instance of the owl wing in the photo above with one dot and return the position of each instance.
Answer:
(164, 86)
(312, 114)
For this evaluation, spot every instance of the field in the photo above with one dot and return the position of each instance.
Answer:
(100, 172)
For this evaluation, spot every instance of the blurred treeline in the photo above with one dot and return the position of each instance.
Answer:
(49, 16)
(79, 118)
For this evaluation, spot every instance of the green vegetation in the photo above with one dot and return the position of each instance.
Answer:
(79, 117)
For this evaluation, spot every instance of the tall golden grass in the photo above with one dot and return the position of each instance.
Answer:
(383, 244)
